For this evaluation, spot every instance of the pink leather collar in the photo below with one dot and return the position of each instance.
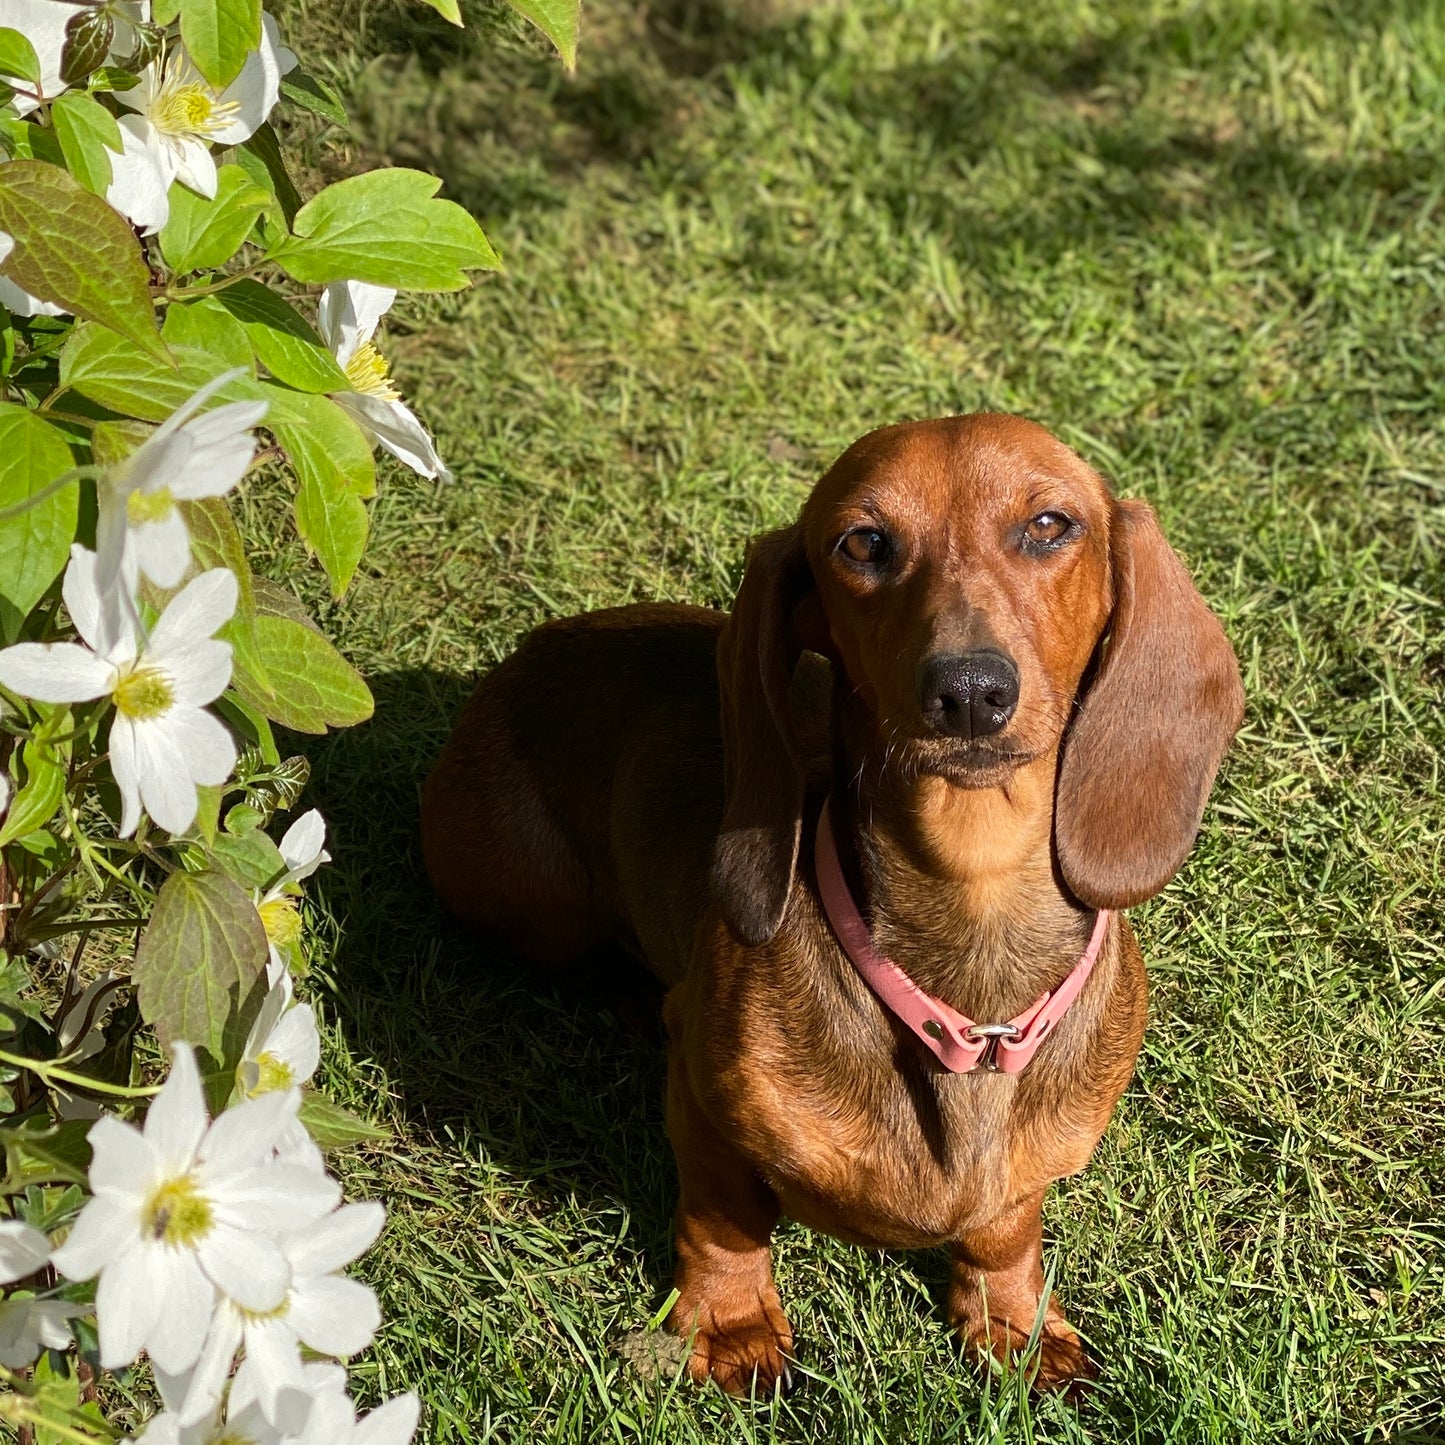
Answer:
(959, 1042)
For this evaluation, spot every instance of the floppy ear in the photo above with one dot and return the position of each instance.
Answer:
(757, 849)
(1141, 755)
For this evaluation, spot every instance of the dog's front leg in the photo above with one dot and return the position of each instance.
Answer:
(726, 1299)
(997, 1288)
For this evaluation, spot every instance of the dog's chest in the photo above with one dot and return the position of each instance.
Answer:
(897, 1159)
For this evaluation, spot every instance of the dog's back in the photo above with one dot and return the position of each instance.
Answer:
(597, 729)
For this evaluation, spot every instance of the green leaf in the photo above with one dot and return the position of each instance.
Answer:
(114, 441)
(321, 441)
(260, 157)
(35, 538)
(25, 141)
(313, 686)
(216, 542)
(251, 858)
(288, 346)
(150, 42)
(334, 525)
(165, 12)
(333, 1127)
(36, 803)
(557, 20)
(59, 1155)
(88, 134)
(218, 34)
(18, 57)
(206, 325)
(202, 234)
(201, 971)
(88, 34)
(109, 369)
(314, 95)
(73, 250)
(447, 9)
(112, 77)
(385, 227)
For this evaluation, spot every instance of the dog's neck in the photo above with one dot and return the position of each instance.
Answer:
(960, 889)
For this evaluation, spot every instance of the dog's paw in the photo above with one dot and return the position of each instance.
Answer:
(745, 1356)
(1059, 1362)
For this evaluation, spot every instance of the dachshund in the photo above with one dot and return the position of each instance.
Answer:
(964, 710)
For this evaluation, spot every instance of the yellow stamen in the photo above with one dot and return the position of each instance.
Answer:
(147, 692)
(177, 1213)
(282, 921)
(267, 1075)
(142, 507)
(186, 107)
(369, 373)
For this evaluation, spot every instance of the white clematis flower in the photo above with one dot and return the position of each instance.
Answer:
(12, 298)
(187, 1211)
(28, 1324)
(303, 851)
(284, 1048)
(323, 1310)
(162, 741)
(177, 115)
(348, 317)
(140, 530)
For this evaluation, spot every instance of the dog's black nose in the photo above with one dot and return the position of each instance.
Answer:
(967, 694)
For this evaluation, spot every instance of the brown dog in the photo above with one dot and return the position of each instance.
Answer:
(1028, 704)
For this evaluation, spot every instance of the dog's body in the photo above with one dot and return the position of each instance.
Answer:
(651, 777)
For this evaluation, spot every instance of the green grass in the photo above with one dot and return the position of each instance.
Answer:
(1200, 241)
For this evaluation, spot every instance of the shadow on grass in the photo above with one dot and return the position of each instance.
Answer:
(558, 1080)
(1113, 166)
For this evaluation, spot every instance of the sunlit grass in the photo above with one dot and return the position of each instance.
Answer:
(1202, 242)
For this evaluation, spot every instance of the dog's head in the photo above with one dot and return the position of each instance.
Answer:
(987, 602)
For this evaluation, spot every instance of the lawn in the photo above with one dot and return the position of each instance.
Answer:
(1201, 240)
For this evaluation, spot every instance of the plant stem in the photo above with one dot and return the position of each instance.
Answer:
(47, 1072)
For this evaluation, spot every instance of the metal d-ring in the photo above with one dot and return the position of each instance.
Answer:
(988, 1060)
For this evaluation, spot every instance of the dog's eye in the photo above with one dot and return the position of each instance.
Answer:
(867, 546)
(1047, 531)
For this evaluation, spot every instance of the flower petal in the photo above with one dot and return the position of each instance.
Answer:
(197, 610)
(244, 1135)
(23, 1250)
(274, 1361)
(122, 1160)
(222, 449)
(176, 1120)
(188, 1300)
(275, 1197)
(334, 1242)
(349, 313)
(203, 673)
(334, 1315)
(126, 1304)
(195, 166)
(22, 303)
(303, 846)
(202, 1390)
(246, 1267)
(395, 426)
(55, 672)
(42, 23)
(163, 548)
(393, 1423)
(140, 174)
(255, 90)
(101, 1234)
(163, 771)
(125, 767)
(296, 1043)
